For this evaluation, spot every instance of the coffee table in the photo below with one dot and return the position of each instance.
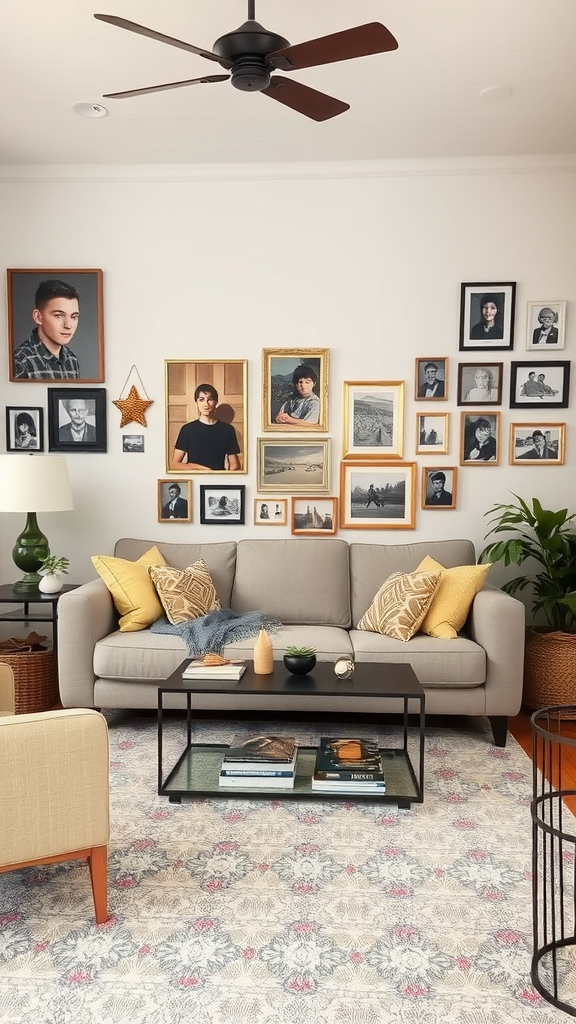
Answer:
(195, 773)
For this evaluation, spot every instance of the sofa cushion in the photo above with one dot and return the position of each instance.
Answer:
(401, 604)
(133, 592)
(220, 557)
(457, 663)
(185, 594)
(456, 591)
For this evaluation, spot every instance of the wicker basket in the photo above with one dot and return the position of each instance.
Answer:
(549, 669)
(35, 680)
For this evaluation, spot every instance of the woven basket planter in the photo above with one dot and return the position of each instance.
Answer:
(549, 669)
(35, 680)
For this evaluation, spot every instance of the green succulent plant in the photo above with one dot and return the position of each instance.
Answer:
(300, 652)
(52, 566)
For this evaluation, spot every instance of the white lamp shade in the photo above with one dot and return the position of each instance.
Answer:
(34, 483)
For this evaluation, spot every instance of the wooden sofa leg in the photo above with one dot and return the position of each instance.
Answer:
(499, 725)
(98, 863)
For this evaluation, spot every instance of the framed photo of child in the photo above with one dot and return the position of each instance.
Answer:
(295, 389)
(439, 487)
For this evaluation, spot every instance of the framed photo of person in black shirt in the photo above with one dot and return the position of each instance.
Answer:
(206, 416)
(77, 420)
(487, 316)
(439, 487)
(175, 501)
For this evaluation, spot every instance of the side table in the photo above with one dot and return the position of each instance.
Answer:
(50, 610)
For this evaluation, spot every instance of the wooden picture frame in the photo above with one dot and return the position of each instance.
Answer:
(24, 428)
(494, 331)
(174, 501)
(314, 515)
(432, 433)
(226, 378)
(537, 444)
(83, 356)
(431, 379)
(439, 495)
(479, 439)
(270, 511)
(287, 405)
(480, 383)
(222, 505)
(534, 385)
(80, 408)
(545, 325)
(373, 419)
(298, 465)
(377, 495)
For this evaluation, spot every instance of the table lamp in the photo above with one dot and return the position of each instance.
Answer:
(38, 482)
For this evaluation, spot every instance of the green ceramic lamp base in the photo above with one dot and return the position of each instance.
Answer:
(28, 553)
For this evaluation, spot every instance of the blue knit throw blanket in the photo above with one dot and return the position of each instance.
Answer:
(213, 631)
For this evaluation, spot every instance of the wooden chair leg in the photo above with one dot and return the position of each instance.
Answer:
(98, 863)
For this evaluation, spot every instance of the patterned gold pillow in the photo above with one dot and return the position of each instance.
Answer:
(185, 593)
(401, 604)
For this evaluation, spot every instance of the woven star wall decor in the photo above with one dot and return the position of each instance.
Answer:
(133, 408)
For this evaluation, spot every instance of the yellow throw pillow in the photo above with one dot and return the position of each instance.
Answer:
(185, 593)
(132, 589)
(456, 591)
(401, 604)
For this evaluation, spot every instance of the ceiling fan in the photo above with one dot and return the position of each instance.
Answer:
(251, 54)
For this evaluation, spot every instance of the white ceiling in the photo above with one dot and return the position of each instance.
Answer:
(422, 100)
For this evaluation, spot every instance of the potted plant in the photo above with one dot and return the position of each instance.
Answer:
(549, 539)
(300, 660)
(52, 571)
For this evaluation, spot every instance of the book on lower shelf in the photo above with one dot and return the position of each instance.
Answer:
(349, 761)
(198, 670)
(260, 781)
(345, 786)
(270, 769)
(265, 751)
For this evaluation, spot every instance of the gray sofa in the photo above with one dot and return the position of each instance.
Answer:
(318, 588)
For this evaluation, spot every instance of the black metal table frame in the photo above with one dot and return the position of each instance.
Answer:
(9, 596)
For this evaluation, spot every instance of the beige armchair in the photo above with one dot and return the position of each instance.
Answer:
(54, 797)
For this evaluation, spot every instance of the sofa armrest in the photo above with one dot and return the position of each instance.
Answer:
(85, 615)
(497, 622)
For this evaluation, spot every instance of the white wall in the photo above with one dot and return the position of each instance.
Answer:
(367, 263)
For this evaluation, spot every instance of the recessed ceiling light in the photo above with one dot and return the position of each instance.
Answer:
(89, 109)
(496, 93)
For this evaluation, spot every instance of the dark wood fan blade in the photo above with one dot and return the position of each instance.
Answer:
(305, 100)
(141, 30)
(354, 42)
(163, 88)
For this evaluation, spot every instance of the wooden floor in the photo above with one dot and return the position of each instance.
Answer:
(521, 729)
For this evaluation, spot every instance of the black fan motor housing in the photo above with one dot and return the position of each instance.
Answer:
(247, 47)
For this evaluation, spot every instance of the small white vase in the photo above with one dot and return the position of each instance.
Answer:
(51, 583)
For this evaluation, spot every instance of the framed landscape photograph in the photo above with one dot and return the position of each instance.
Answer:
(439, 487)
(77, 419)
(545, 326)
(24, 428)
(133, 443)
(479, 439)
(295, 389)
(56, 325)
(314, 515)
(537, 444)
(480, 383)
(487, 316)
(294, 466)
(537, 384)
(206, 415)
(270, 511)
(373, 419)
(377, 496)
(175, 501)
(222, 505)
(432, 432)
(431, 377)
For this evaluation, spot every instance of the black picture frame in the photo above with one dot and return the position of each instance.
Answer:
(556, 379)
(469, 393)
(59, 438)
(31, 437)
(473, 337)
(222, 505)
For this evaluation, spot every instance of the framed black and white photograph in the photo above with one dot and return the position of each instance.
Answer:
(295, 389)
(377, 496)
(270, 511)
(431, 378)
(479, 439)
(480, 383)
(206, 415)
(439, 487)
(133, 443)
(24, 428)
(373, 419)
(56, 325)
(545, 326)
(314, 516)
(534, 385)
(537, 443)
(487, 316)
(77, 419)
(222, 505)
(432, 433)
(175, 501)
(297, 466)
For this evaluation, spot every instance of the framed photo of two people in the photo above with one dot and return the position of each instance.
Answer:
(206, 414)
(295, 389)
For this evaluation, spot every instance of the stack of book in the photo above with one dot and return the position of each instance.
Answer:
(348, 765)
(198, 669)
(265, 761)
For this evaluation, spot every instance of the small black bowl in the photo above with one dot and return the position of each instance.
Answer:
(299, 664)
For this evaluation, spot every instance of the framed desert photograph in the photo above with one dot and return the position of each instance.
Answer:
(24, 428)
(377, 496)
(314, 515)
(432, 432)
(439, 487)
(487, 316)
(545, 322)
(479, 439)
(537, 384)
(373, 419)
(294, 466)
(480, 383)
(431, 379)
(537, 443)
(77, 420)
(206, 415)
(175, 501)
(222, 504)
(56, 325)
(295, 389)
(270, 511)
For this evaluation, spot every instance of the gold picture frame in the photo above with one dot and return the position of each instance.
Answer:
(432, 433)
(174, 507)
(270, 511)
(314, 515)
(373, 419)
(298, 465)
(377, 495)
(537, 444)
(439, 496)
(284, 408)
(479, 438)
(227, 378)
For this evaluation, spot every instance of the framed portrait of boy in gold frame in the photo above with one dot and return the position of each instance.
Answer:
(295, 389)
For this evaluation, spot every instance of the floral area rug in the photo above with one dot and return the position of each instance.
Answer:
(239, 911)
